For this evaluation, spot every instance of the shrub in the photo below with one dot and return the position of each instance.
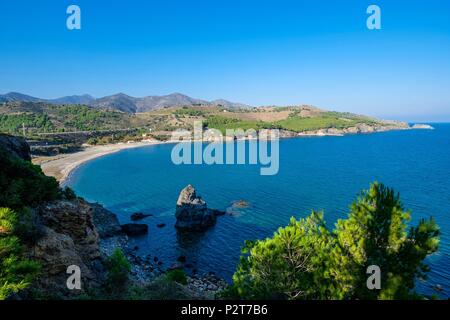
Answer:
(69, 194)
(118, 270)
(23, 184)
(28, 227)
(16, 273)
(177, 275)
(160, 289)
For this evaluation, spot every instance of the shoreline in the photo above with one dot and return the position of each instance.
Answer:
(61, 166)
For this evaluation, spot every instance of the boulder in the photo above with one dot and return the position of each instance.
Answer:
(192, 213)
(139, 216)
(134, 229)
(240, 204)
(105, 221)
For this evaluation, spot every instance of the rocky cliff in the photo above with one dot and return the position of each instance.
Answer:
(15, 146)
(64, 231)
(69, 237)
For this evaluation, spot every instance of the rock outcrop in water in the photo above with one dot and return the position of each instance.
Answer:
(422, 126)
(134, 229)
(192, 212)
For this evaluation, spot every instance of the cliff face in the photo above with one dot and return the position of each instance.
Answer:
(69, 237)
(59, 233)
(15, 146)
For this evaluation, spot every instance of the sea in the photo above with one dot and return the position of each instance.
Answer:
(315, 173)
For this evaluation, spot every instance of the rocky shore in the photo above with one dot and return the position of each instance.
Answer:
(70, 231)
(145, 269)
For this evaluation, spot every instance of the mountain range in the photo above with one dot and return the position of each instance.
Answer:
(125, 103)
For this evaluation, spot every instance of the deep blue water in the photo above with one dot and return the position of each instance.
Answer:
(323, 173)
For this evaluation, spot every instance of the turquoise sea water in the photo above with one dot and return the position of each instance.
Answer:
(322, 173)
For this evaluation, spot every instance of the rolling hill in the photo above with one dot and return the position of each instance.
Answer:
(125, 103)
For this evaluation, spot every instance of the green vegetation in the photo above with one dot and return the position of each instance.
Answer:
(177, 275)
(118, 270)
(115, 138)
(162, 288)
(325, 121)
(186, 111)
(68, 193)
(13, 123)
(223, 123)
(294, 122)
(16, 272)
(64, 128)
(24, 184)
(305, 260)
(45, 118)
(83, 118)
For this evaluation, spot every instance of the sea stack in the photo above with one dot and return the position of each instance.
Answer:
(192, 213)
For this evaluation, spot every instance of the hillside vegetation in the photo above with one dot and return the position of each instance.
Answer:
(48, 118)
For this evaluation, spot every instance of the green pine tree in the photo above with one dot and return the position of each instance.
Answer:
(375, 233)
(306, 261)
(16, 272)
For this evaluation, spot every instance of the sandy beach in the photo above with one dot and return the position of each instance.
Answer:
(61, 166)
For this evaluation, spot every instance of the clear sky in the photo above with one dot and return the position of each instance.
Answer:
(256, 52)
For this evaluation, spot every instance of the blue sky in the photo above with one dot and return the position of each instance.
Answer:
(256, 52)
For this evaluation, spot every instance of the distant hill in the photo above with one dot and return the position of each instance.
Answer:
(15, 96)
(76, 99)
(126, 103)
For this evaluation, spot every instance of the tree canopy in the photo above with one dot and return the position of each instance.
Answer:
(305, 260)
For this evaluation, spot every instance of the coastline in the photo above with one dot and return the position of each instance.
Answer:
(62, 165)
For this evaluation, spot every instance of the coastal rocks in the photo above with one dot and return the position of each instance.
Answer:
(207, 286)
(105, 221)
(56, 252)
(381, 126)
(134, 229)
(15, 146)
(139, 216)
(67, 237)
(240, 204)
(422, 126)
(237, 207)
(192, 213)
(74, 219)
